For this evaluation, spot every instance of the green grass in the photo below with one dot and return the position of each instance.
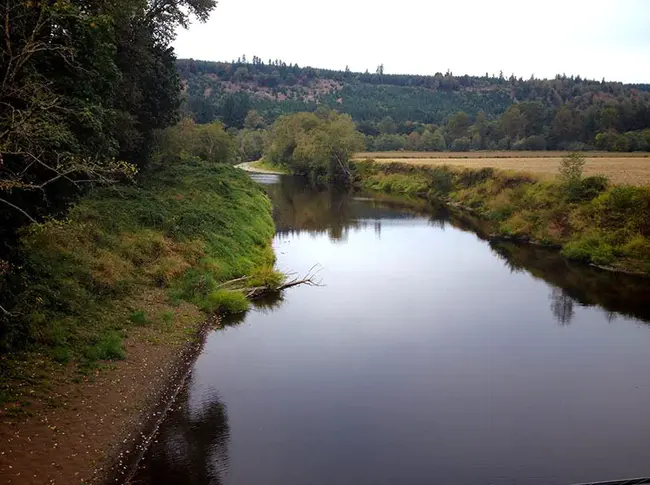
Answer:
(592, 221)
(180, 232)
(225, 301)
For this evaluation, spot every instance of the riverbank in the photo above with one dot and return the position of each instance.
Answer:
(592, 222)
(112, 308)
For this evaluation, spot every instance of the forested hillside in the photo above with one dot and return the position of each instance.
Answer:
(439, 112)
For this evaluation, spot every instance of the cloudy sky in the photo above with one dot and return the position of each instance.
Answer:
(592, 38)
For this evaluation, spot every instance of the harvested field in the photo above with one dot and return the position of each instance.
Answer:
(497, 154)
(619, 168)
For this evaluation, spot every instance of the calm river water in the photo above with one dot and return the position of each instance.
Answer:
(429, 356)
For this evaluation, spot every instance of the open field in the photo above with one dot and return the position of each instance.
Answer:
(619, 168)
(497, 154)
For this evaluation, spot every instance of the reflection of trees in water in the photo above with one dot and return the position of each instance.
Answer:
(192, 446)
(297, 207)
(561, 306)
(300, 208)
(616, 294)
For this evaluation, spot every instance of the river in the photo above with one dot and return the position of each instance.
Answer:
(427, 356)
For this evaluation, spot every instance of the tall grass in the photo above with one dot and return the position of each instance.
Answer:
(592, 221)
(180, 233)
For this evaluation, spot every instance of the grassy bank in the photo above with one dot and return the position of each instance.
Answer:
(129, 257)
(590, 220)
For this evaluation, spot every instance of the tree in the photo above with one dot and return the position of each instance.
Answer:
(513, 122)
(84, 85)
(318, 146)
(250, 145)
(387, 126)
(234, 109)
(415, 141)
(458, 124)
(433, 141)
(254, 121)
(571, 167)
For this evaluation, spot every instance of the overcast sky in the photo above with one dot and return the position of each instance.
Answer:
(592, 38)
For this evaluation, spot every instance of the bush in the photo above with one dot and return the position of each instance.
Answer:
(225, 301)
(589, 249)
(138, 317)
(637, 247)
(571, 167)
(441, 183)
(109, 347)
(586, 189)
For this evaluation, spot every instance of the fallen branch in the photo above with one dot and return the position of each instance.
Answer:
(309, 279)
(230, 282)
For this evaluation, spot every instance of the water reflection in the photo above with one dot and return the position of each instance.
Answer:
(192, 447)
(299, 208)
(561, 306)
(582, 285)
(434, 356)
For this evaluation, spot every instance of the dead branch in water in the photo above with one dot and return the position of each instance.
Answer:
(309, 279)
(260, 291)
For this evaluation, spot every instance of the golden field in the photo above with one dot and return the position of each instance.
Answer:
(619, 168)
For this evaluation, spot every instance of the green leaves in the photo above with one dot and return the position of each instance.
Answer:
(317, 145)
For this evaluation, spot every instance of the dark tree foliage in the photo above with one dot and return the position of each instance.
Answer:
(443, 111)
(83, 86)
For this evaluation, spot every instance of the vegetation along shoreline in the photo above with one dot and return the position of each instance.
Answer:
(586, 218)
(589, 218)
(113, 314)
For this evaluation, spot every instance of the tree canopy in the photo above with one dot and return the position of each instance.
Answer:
(318, 145)
(84, 84)
(439, 112)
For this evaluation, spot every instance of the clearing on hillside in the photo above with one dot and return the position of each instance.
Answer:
(619, 168)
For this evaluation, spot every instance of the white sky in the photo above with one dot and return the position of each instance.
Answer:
(592, 38)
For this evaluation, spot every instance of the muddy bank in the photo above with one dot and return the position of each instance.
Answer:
(95, 430)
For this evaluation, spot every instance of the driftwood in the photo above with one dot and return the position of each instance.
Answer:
(253, 292)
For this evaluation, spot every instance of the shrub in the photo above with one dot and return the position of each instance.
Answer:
(469, 178)
(637, 247)
(571, 167)
(589, 249)
(586, 189)
(225, 301)
(138, 317)
(441, 182)
(109, 347)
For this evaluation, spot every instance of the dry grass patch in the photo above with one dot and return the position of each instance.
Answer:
(621, 169)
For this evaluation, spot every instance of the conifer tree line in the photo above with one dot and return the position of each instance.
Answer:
(439, 112)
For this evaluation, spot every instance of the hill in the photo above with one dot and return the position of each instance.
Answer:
(405, 111)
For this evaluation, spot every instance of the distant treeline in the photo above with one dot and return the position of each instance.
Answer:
(439, 112)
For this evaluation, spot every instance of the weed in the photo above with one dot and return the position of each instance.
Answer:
(225, 301)
(139, 317)
(108, 347)
(188, 227)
